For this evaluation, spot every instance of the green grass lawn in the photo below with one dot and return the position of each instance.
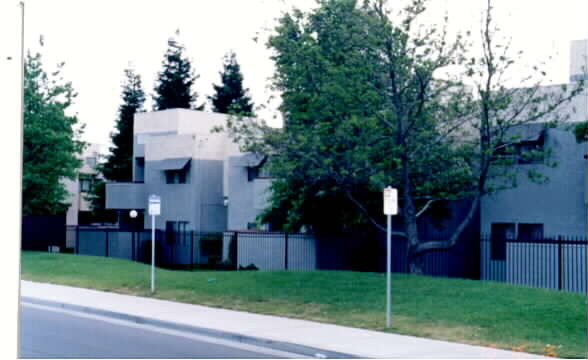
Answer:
(467, 311)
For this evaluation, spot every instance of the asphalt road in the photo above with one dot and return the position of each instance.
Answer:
(56, 333)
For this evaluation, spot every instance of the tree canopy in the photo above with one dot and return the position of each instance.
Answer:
(365, 106)
(173, 88)
(230, 96)
(119, 164)
(51, 139)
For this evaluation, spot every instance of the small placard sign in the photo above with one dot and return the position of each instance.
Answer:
(154, 205)
(390, 201)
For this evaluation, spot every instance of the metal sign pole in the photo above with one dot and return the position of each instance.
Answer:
(152, 253)
(388, 270)
(154, 210)
(390, 208)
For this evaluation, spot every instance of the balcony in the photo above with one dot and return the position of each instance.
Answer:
(126, 196)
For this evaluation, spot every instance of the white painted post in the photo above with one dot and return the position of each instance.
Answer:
(390, 208)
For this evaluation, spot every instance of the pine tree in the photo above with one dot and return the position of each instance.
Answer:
(119, 165)
(230, 97)
(173, 87)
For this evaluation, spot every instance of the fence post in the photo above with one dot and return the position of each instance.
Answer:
(77, 240)
(193, 234)
(106, 243)
(286, 251)
(133, 245)
(560, 263)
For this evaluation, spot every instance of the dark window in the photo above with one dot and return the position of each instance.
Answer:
(501, 233)
(85, 184)
(530, 152)
(139, 169)
(175, 176)
(524, 152)
(252, 173)
(530, 232)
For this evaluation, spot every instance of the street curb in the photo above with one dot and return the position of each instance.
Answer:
(245, 339)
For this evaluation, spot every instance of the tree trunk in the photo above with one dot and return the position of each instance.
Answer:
(416, 262)
(410, 221)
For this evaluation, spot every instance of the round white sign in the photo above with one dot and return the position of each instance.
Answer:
(133, 213)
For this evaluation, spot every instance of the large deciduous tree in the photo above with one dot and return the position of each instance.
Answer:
(367, 102)
(173, 88)
(51, 139)
(230, 96)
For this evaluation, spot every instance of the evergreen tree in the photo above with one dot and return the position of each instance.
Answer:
(119, 164)
(173, 87)
(50, 141)
(230, 97)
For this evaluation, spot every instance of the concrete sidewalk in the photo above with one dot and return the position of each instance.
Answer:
(281, 332)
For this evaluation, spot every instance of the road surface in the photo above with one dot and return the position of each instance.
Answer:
(47, 332)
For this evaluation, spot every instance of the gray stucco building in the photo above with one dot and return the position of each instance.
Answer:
(555, 208)
(200, 175)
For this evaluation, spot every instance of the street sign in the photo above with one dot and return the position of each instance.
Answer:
(154, 205)
(390, 201)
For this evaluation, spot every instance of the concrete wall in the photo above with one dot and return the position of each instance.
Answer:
(247, 199)
(76, 198)
(182, 133)
(126, 196)
(559, 204)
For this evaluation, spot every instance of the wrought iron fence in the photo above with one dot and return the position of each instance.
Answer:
(555, 263)
(552, 263)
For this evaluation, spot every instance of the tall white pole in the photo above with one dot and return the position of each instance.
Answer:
(22, 64)
(152, 253)
(388, 270)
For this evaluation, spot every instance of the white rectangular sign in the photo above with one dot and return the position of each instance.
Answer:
(154, 205)
(390, 201)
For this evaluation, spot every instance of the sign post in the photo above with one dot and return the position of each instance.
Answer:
(154, 210)
(390, 208)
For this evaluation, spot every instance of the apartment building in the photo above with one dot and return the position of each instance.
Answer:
(200, 175)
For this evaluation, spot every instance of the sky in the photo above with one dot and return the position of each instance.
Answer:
(97, 40)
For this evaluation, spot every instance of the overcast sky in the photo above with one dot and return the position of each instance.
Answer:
(98, 39)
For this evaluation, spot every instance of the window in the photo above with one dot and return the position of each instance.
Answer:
(524, 152)
(175, 176)
(530, 232)
(258, 172)
(500, 234)
(252, 173)
(530, 152)
(139, 169)
(85, 184)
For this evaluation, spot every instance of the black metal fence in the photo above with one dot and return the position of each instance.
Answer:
(173, 250)
(553, 263)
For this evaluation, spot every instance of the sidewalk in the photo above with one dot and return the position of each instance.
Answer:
(228, 323)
